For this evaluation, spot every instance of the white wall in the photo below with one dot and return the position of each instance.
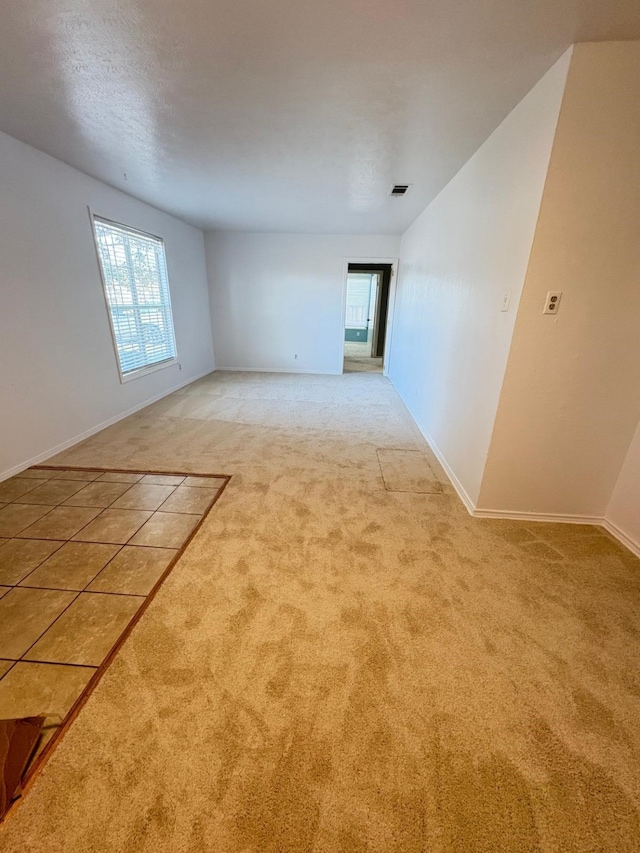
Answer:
(275, 296)
(624, 508)
(471, 245)
(60, 377)
(571, 397)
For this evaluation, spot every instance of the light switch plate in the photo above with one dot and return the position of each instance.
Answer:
(553, 302)
(506, 300)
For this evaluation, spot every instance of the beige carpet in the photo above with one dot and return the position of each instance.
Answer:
(362, 365)
(338, 668)
(357, 349)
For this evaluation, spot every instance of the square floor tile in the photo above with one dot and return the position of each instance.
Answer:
(78, 475)
(85, 633)
(12, 490)
(35, 689)
(115, 477)
(52, 492)
(19, 557)
(98, 494)
(114, 526)
(25, 614)
(61, 523)
(37, 474)
(162, 479)
(14, 518)
(166, 530)
(134, 570)
(71, 579)
(73, 566)
(143, 496)
(187, 499)
(204, 482)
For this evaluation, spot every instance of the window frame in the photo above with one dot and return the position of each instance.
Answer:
(146, 369)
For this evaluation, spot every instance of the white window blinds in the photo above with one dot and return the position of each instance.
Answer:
(134, 274)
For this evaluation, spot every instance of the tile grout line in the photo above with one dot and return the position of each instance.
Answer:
(13, 663)
(17, 537)
(49, 663)
(82, 698)
(71, 714)
(83, 591)
(78, 594)
(51, 624)
(93, 519)
(44, 560)
(226, 477)
(21, 585)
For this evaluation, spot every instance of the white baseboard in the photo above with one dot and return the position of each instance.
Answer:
(556, 518)
(598, 521)
(621, 536)
(65, 445)
(608, 525)
(278, 370)
(455, 482)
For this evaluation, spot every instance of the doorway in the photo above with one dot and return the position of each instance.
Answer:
(366, 313)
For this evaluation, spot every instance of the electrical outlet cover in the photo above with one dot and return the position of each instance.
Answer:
(552, 302)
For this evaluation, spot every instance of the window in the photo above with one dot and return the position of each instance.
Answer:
(360, 294)
(134, 275)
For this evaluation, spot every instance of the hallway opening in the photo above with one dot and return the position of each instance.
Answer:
(366, 313)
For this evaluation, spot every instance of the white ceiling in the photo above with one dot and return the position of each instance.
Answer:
(285, 115)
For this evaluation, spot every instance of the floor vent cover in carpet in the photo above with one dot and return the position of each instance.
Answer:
(407, 471)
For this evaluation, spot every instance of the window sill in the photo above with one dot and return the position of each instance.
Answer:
(145, 371)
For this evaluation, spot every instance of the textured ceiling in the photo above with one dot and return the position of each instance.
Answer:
(287, 115)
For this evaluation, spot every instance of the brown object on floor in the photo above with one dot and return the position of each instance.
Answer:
(18, 739)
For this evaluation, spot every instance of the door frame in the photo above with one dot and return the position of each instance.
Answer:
(375, 326)
(390, 307)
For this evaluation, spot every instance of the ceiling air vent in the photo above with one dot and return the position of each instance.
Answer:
(398, 190)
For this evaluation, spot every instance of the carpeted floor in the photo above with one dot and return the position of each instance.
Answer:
(362, 365)
(337, 667)
(357, 349)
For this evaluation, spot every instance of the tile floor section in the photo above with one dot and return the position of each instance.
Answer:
(80, 552)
